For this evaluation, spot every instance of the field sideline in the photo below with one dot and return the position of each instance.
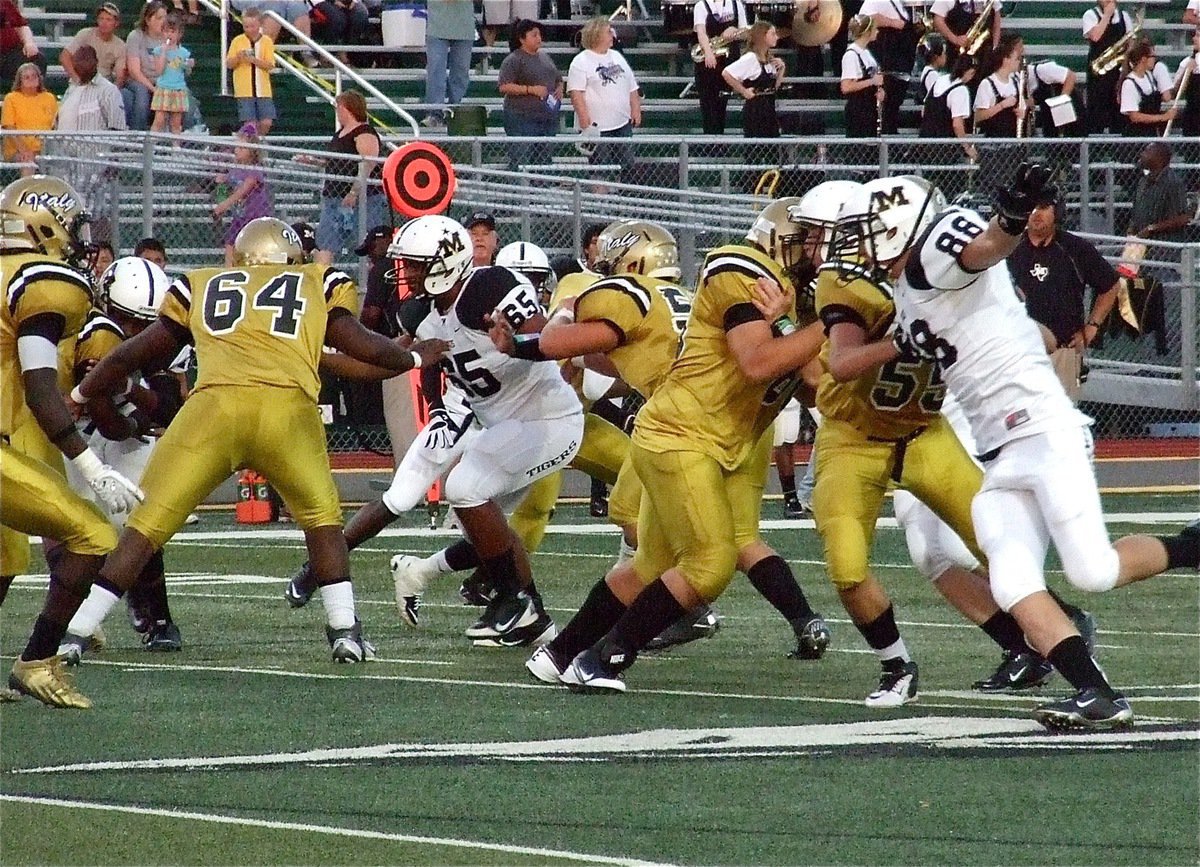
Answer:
(250, 746)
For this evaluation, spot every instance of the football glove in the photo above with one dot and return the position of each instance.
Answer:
(440, 432)
(114, 492)
(1031, 186)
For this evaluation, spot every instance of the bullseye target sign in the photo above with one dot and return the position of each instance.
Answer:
(418, 179)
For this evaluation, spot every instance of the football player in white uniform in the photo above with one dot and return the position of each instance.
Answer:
(956, 304)
(532, 421)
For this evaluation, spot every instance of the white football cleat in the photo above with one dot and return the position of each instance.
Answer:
(410, 577)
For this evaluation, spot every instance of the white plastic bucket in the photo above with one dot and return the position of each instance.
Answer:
(403, 25)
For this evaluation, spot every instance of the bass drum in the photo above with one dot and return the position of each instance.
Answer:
(677, 17)
(778, 13)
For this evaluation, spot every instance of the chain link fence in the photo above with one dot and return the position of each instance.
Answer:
(705, 190)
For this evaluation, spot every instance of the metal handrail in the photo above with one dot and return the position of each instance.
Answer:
(301, 74)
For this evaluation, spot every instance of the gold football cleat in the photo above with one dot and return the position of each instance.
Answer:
(48, 682)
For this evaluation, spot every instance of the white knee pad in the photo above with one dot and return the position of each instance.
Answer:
(932, 545)
(1095, 570)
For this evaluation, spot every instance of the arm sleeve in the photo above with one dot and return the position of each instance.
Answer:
(1093, 268)
(851, 66)
(985, 97)
(177, 306)
(576, 74)
(1090, 19)
(959, 102)
(941, 7)
(936, 265)
(1130, 97)
(507, 74)
(340, 291)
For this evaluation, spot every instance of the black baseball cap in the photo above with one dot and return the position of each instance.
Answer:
(371, 237)
(308, 237)
(481, 218)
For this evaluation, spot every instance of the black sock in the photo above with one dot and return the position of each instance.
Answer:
(788, 483)
(1070, 610)
(599, 489)
(5, 582)
(502, 570)
(462, 556)
(882, 631)
(149, 594)
(599, 612)
(43, 643)
(104, 584)
(652, 612)
(772, 577)
(1183, 551)
(1070, 656)
(1003, 629)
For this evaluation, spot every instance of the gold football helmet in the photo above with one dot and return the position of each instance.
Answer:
(46, 215)
(638, 247)
(776, 235)
(268, 241)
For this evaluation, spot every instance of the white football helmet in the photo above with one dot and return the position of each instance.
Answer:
(885, 216)
(528, 259)
(817, 211)
(435, 252)
(134, 287)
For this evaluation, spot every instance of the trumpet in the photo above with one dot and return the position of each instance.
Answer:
(1113, 56)
(720, 45)
(981, 30)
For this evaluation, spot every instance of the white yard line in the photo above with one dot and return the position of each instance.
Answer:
(331, 830)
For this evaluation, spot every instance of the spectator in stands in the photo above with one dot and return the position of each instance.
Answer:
(1191, 15)
(449, 35)
(308, 239)
(506, 13)
(28, 107)
(996, 99)
(1189, 117)
(103, 39)
(16, 44)
(192, 15)
(140, 64)
(1141, 98)
(1160, 208)
(589, 245)
(152, 250)
(1047, 79)
(947, 114)
(713, 19)
(381, 314)
(295, 12)
(1054, 269)
(934, 56)
(249, 196)
(1103, 26)
(347, 177)
(485, 241)
(533, 91)
(862, 81)
(341, 22)
(756, 75)
(605, 95)
(172, 64)
(953, 19)
(91, 104)
(896, 50)
(251, 56)
(840, 39)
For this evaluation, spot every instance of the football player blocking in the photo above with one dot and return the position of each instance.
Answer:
(258, 329)
(957, 308)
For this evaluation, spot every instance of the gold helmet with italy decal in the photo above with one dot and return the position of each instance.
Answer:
(44, 214)
(638, 247)
(268, 241)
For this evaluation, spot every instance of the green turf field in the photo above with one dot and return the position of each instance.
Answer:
(251, 747)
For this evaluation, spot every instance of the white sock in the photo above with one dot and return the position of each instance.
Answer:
(92, 612)
(625, 553)
(437, 563)
(894, 650)
(338, 600)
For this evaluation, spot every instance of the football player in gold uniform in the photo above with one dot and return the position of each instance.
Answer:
(700, 451)
(258, 328)
(44, 246)
(882, 426)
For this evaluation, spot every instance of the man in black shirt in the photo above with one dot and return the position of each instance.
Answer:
(380, 313)
(1053, 269)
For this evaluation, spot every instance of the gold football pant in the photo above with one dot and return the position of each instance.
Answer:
(28, 439)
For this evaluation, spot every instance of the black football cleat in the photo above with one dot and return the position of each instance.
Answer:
(163, 637)
(699, 623)
(1016, 672)
(812, 637)
(1087, 710)
(301, 587)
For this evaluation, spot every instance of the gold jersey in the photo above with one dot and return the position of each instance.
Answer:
(33, 285)
(570, 286)
(706, 404)
(99, 337)
(900, 397)
(259, 325)
(639, 311)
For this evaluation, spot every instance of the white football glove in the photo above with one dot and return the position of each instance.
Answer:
(116, 493)
(439, 433)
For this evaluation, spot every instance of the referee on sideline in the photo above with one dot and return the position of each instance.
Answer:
(1053, 269)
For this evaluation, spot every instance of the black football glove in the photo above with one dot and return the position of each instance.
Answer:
(1030, 188)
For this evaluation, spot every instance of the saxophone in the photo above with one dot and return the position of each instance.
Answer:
(719, 44)
(980, 30)
(1113, 56)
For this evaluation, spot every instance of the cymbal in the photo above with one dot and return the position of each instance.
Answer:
(816, 21)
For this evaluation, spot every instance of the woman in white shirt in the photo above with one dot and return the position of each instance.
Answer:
(1046, 79)
(934, 55)
(1141, 99)
(862, 82)
(604, 94)
(756, 76)
(996, 99)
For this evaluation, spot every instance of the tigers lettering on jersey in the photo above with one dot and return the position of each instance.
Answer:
(498, 387)
(636, 308)
(259, 325)
(33, 285)
(706, 404)
(901, 396)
